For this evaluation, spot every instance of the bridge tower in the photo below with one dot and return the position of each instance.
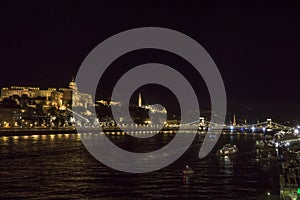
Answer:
(201, 121)
(202, 126)
(269, 123)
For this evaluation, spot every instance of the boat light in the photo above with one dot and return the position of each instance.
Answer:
(287, 144)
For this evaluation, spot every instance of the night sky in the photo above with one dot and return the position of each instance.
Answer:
(255, 46)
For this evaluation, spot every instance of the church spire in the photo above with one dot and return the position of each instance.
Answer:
(234, 120)
(140, 100)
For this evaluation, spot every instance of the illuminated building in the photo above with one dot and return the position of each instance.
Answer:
(9, 117)
(79, 98)
(54, 97)
(152, 108)
(109, 103)
(31, 92)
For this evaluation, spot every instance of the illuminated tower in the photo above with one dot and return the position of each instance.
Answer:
(140, 100)
(234, 121)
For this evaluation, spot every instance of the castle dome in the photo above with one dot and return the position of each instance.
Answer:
(73, 84)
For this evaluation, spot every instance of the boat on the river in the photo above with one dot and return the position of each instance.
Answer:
(227, 150)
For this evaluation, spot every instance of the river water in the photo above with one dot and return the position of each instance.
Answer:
(59, 167)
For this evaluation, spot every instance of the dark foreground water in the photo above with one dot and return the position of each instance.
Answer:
(59, 167)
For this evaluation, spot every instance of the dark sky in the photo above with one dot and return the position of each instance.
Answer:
(255, 46)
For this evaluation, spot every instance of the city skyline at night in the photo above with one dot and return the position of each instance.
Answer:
(150, 100)
(255, 53)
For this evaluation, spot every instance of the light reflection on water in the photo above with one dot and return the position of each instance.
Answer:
(58, 166)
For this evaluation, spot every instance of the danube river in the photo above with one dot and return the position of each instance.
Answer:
(59, 167)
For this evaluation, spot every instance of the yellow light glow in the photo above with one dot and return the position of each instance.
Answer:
(35, 137)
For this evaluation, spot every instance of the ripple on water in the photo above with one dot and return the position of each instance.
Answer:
(58, 166)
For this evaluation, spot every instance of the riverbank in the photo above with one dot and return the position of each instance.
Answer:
(107, 130)
(34, 131)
